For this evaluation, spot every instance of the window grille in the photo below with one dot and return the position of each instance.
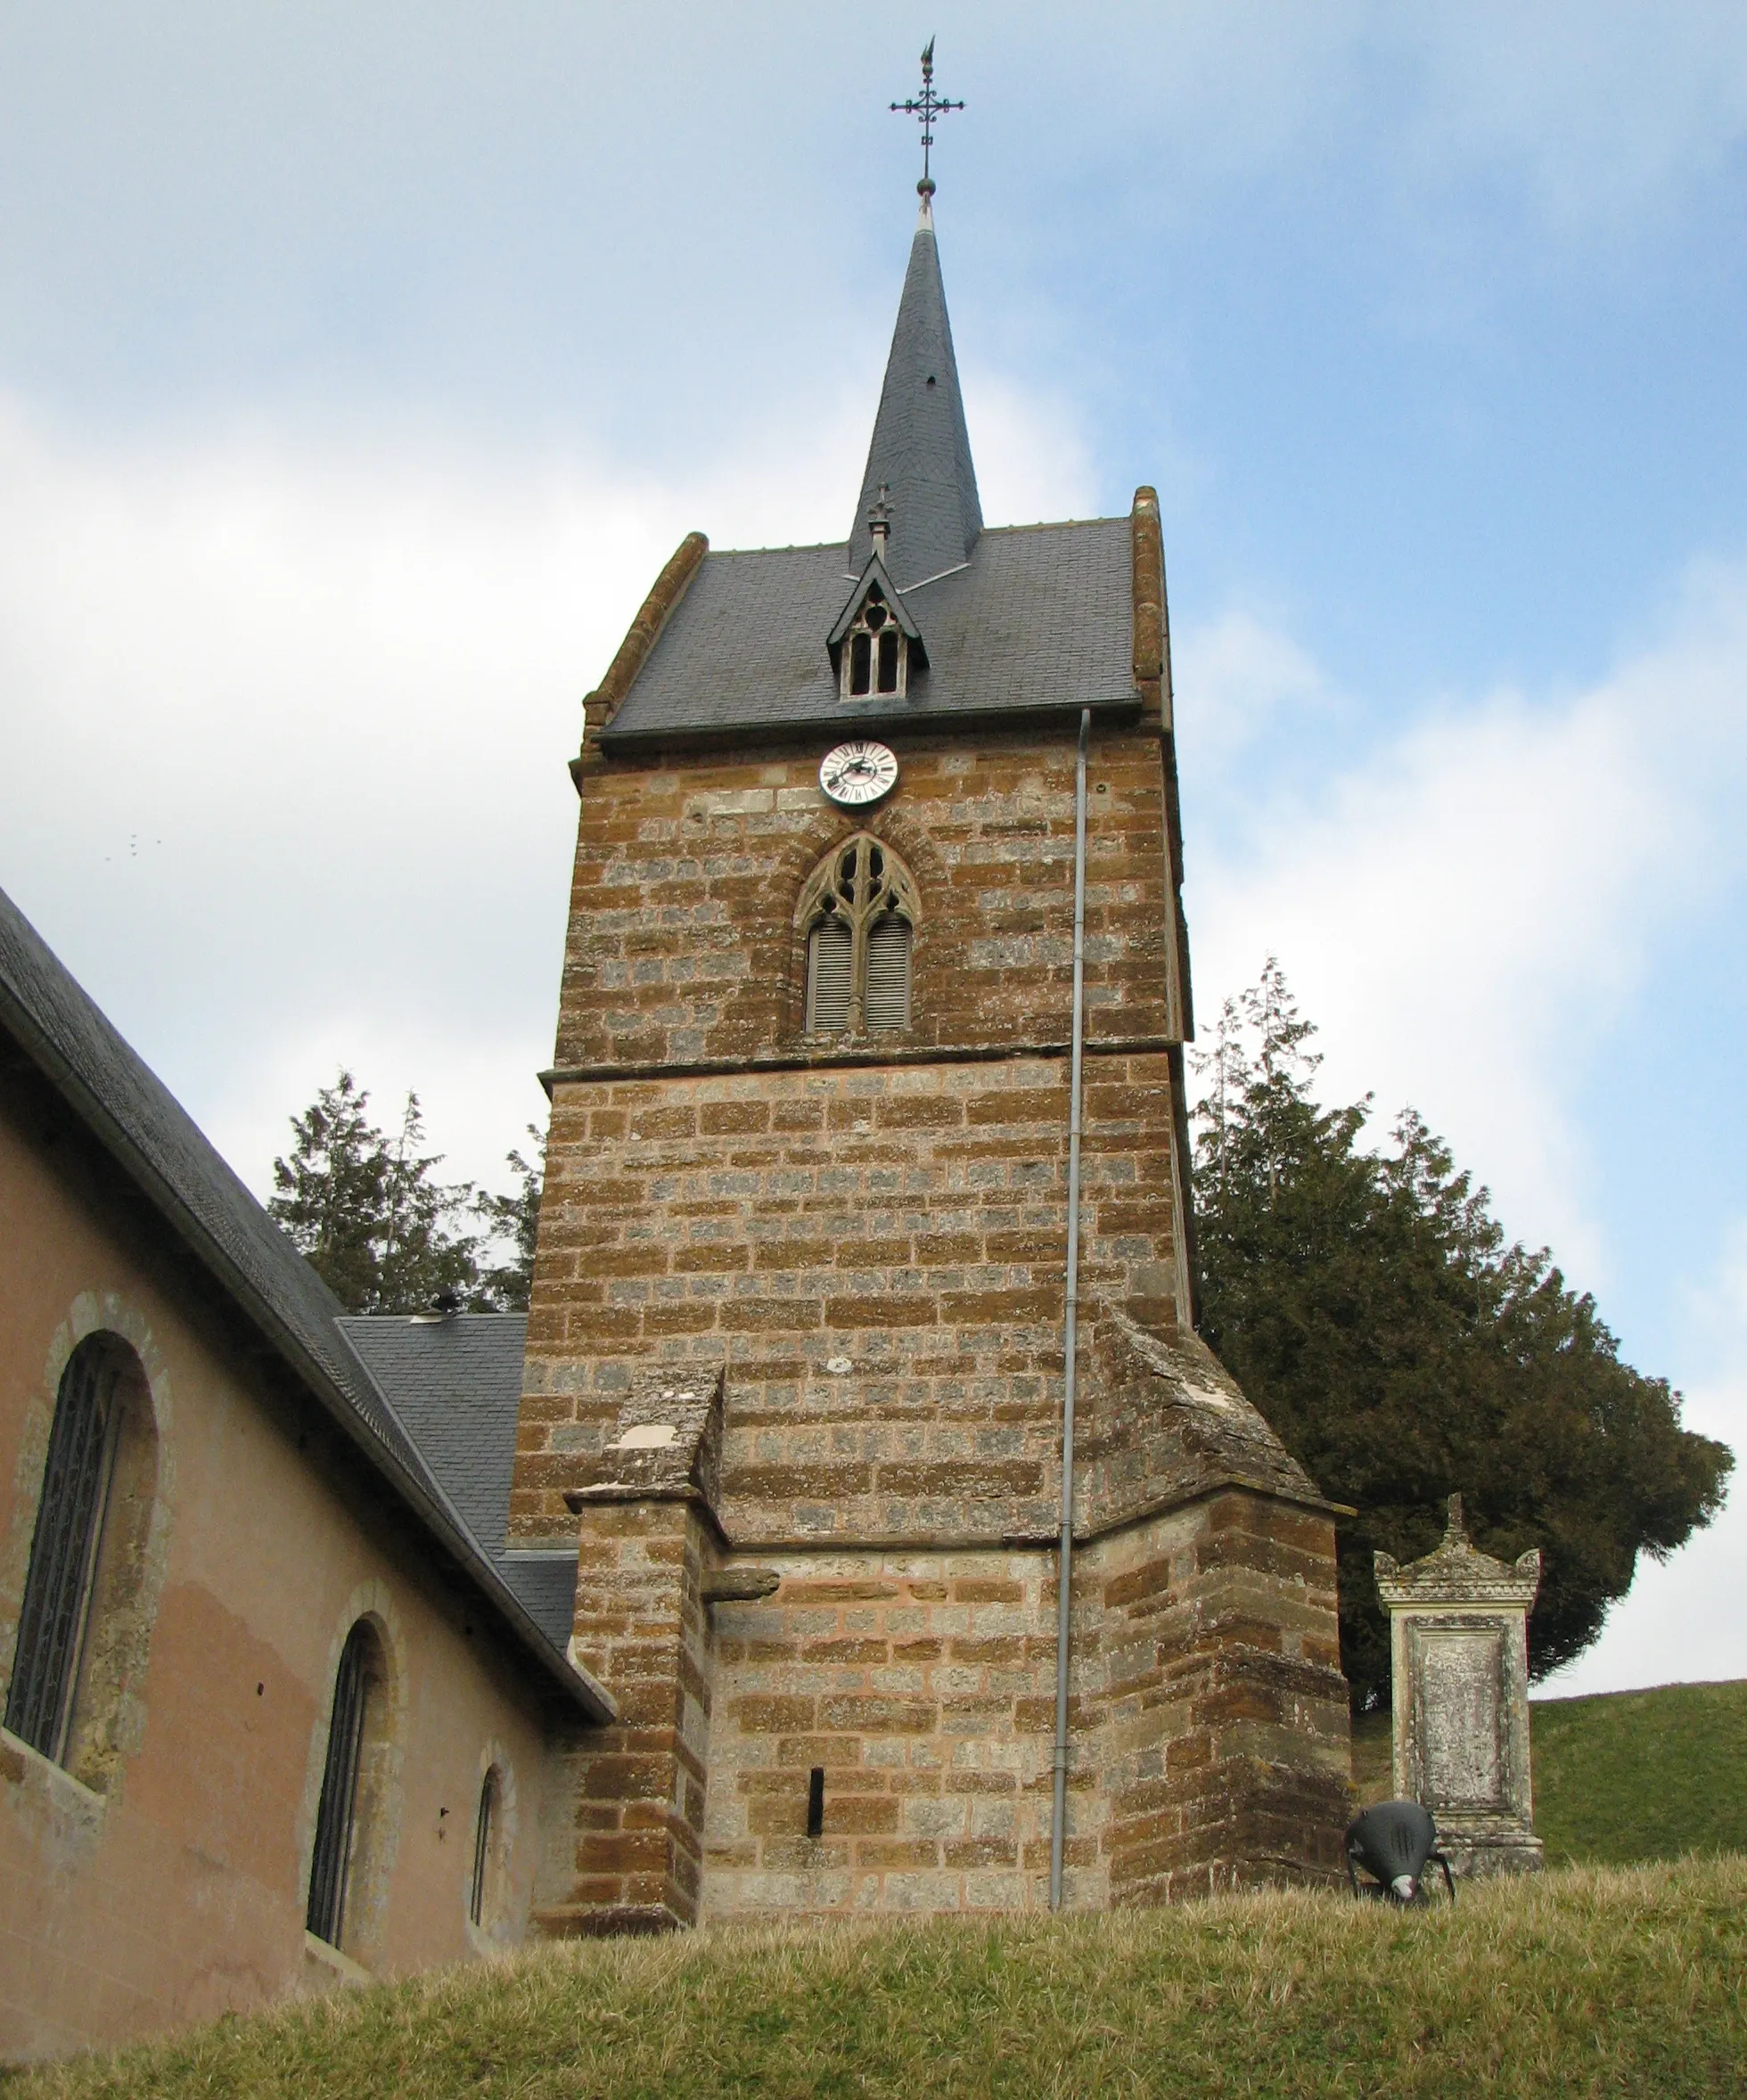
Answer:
(336, 1817)
(858, 909)
(64, 1548)
(483, 1835)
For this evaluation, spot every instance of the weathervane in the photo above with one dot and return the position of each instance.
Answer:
(927, 106)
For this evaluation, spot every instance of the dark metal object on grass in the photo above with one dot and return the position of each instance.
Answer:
(1394, 1843)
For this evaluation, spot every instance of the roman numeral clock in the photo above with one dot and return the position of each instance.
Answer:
(856, 773)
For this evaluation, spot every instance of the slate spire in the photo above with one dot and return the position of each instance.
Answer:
(921, 453)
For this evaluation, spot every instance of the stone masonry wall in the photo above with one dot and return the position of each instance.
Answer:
(867, 1241)
(682, 943)
(1208, 1740)
(1207, 1672)
(924, 1686)
(625, 1852)
(878, 1258)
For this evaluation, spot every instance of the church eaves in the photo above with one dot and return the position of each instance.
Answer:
(921, 453)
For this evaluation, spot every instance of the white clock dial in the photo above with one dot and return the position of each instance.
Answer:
(858, 772)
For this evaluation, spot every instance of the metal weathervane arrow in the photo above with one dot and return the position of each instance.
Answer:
(926, 107)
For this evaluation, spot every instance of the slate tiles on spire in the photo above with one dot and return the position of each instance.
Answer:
(921, 453)
(1018, 622)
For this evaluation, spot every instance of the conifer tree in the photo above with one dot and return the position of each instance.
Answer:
(1369, 1305)
(368, 1212)
(514, 1220)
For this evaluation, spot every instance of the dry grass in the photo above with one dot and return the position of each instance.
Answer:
(1581, 1982)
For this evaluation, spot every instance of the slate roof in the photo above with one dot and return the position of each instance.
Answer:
(921, 450)
(157, 1144)
(1019, 622)
(1040, 620)
(455, 1385)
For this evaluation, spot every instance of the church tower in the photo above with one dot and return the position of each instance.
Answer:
(868, 1094)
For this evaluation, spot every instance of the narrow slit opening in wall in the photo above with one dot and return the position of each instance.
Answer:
(816, 1800)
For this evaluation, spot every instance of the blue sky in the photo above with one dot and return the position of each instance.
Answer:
(359, 365)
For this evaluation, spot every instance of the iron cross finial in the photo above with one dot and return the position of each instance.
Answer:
(927, 106)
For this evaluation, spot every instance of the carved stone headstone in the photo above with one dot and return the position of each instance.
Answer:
(1459, 1656)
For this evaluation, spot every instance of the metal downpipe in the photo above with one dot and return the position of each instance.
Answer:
(1071, 1336)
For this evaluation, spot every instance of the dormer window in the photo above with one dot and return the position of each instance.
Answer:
(875, 645)
(877, 652)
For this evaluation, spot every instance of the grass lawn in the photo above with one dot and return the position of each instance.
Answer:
(1595, 1979)
(1588, 1981)
(1642, 1774)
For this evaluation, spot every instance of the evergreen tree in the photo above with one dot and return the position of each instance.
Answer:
(514, 1220)
(367, 1211)
(1368, 1304)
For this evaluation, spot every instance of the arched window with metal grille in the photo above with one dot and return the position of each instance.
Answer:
(485, 1842)
(857, 915)
(358, 1686)
(67, 1546)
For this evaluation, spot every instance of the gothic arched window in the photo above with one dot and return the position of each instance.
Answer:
(65, 1576)
(875, 658)
(857, 914)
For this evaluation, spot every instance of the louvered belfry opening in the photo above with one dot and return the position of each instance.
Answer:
(66, 1544)
(858, 909)
(830, 964)
(887, 1003)
(336, 1819)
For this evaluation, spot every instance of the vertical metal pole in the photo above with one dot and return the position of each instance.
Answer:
(1071, 1336)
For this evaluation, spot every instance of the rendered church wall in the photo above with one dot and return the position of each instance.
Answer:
(178, 1890)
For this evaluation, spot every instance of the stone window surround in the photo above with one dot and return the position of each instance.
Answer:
(895, 890)
(377, 1814)
(863, 628)
(496, 1931)
(110, 1720)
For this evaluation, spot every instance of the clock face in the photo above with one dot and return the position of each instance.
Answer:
(856, 773)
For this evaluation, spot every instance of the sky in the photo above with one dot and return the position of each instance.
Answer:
(360, 364)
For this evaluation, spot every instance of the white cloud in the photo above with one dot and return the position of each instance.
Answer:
(1602, 113)
(1033, 458)
(1467, 911)
(1235, 677)
(286, 717)
(1682, 1620)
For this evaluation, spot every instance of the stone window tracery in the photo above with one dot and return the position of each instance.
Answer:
(857, 913)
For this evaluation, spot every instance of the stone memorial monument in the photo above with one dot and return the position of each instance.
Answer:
(1459, 1658)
